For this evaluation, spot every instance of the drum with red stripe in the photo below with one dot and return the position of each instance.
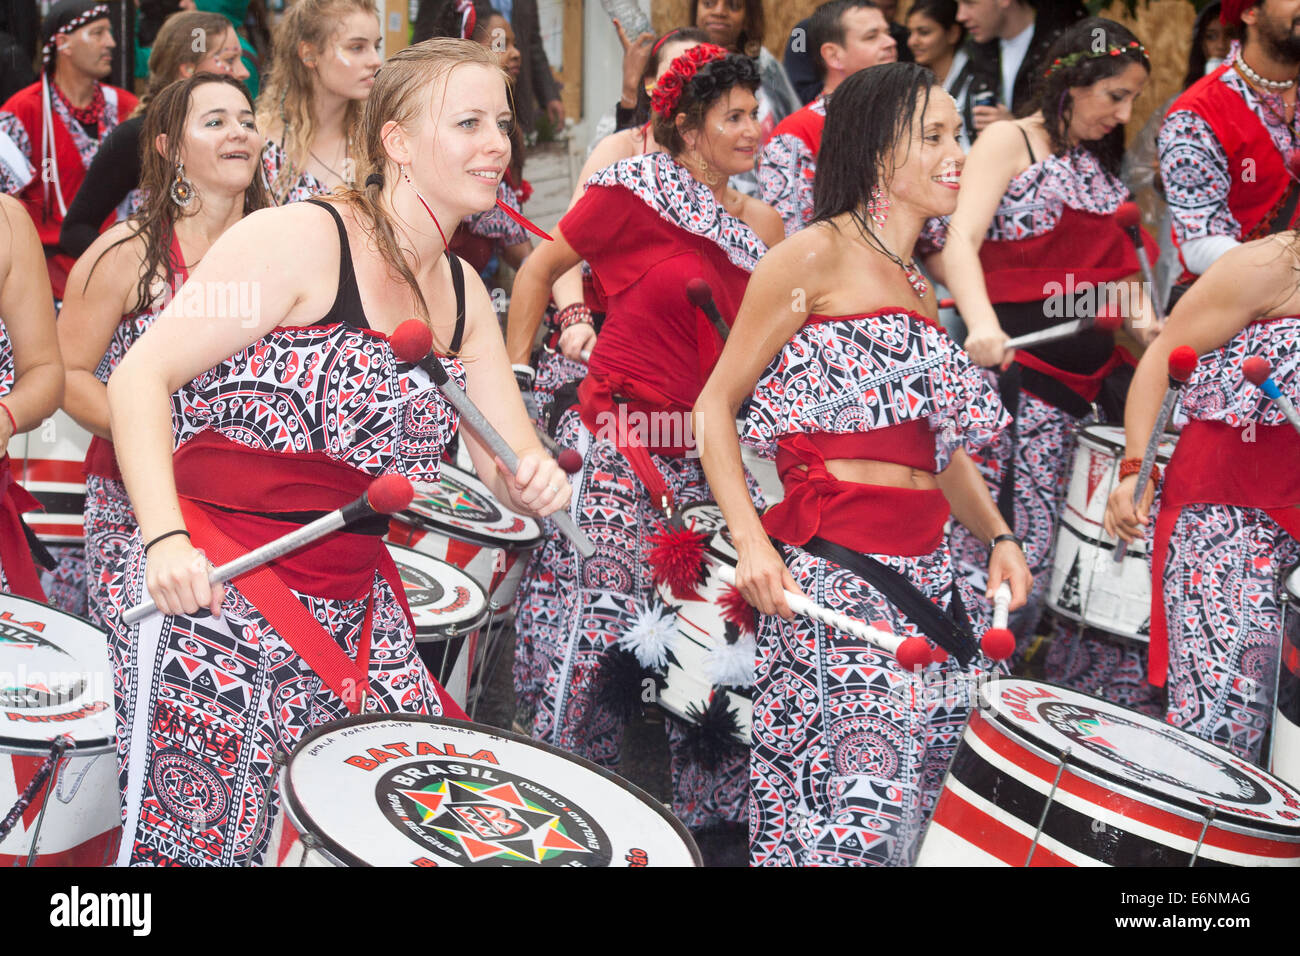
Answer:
(1046, 776)
(460, 522)
(713, 657)
(1286, 718)
(450, 610)
(399, 790)
(55, 680)
(48, 461)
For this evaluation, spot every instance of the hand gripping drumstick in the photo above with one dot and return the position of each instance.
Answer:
(1105, 322)
(385, 496)
(1129, 216)
(411, 342)
(1182, 362)
(701, 295)
(998, 642)
(1259, 373)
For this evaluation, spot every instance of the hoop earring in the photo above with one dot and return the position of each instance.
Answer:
(705, 172)
(182, 190)
(878, 206)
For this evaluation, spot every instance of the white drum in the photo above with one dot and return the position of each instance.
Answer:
(1286, 716)
(48, 462)
(1086, 586)
(460, 522)
(1046, 776)
(449, 609)
(55, 680)
(398, 790)
(704, 658)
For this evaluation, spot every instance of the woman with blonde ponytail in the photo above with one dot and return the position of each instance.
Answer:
(284, 399)
(324, 59)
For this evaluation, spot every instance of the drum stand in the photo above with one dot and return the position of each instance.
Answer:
(488, 656)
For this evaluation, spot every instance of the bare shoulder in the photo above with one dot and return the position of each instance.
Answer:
(763, 219)
(289, 235)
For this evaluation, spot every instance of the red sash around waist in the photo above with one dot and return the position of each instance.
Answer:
(1214, 464)
(15, 554)
(101, 459)
(870, 519)
(1087, 386)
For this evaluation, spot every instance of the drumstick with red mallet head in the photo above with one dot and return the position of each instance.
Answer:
(386, 495)
(1182, 362)
(999, 642)
(411, 342)
(1259, 372)
(1129, 217)
(701, 295)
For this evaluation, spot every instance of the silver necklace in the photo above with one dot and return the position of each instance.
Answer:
(1275, 86)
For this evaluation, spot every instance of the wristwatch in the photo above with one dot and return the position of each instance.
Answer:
(1006, 537)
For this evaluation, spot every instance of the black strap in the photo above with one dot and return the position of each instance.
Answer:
(1009, 384)
(949, 629)
(458, 284)
(1282, 221)
(566, 396)
(1032, 160)
(347, 300)
(39, 552)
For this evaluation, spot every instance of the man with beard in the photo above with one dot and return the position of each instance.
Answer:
(1226, 141)
(50, 131)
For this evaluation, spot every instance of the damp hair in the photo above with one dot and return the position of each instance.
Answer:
(175, 46)
(750, 40)
(1053, 94)
(826, 25)
(285, 103)
(403, 93)
(856, 158)
(155, 220)
(711, 82)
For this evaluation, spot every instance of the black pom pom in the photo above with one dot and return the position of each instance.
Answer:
(714, 734)
(623, 684)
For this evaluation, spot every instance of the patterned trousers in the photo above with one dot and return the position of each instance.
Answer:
(206, 707)
(1104, 665)
(849, 750)
(571, 611)
(110, 525)
(65, 586)
(1221, 582)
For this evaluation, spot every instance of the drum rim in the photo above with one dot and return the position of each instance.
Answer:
(528, 544)
(479, 621)
(290, 802)
(431, 635)
(19, 745)
(469, 537)
(1086, 433)
(1164, 801)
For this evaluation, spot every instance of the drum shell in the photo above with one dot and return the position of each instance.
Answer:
(1286, 718)
(82, 825)
(49, 462)
(997, 786)
(496, 567)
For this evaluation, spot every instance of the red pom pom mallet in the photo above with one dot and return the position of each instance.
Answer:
(1182, 363)
(998, 643)
(1129, 218)
(1128, 215)
(1259, 372)
(411, 341)
(570, 461)
(700, 295)
(390, 494)
(913, 653)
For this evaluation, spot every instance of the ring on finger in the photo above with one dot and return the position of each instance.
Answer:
(552, 488)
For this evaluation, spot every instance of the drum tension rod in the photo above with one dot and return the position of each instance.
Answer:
(1209, 818)
(1047, 805)
(58, 748)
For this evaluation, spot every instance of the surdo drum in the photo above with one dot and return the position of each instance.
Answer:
(48, 462)
(55, 680)
(1286, 718)
(704, 660)
(1086, 586)
(458, 521)
(450, 610)
(381, 790)
(1046, 776)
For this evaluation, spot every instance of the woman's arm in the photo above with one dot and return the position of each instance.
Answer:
(539, 487)
(994, 160)
(765, 323)
(973, 506)
(93, 305)
(531, 292)
(27, 305)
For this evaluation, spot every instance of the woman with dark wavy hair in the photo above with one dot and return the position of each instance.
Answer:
(646, 225)
(1035, 222)
(872, 414)
(199, 178)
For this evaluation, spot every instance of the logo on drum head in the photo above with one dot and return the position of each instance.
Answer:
(483, 816)
(187, 789)
(1131, 745)
(457, 500)
(424, 591)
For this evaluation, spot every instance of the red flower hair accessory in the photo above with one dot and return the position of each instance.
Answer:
(668, 91)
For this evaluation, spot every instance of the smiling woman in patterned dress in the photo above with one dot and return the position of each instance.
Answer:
(282, 408)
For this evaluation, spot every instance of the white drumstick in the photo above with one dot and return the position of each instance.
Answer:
(877, 636)
(1105, 322)
(585, 355)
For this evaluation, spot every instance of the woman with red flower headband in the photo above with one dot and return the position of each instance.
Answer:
(646, 225)
(1037, 218)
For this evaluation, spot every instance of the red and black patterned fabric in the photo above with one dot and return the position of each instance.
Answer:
(787, 165)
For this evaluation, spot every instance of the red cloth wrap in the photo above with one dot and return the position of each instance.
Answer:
(101, 459)
(1213, 465)
(15, 554)
(1087, 386)
(805, 123)
(1084, 247)
(1242, 137)
(214, 473)
(862, 517)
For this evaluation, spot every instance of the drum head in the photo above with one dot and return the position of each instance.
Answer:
(1142, 753)
(706, 516)
(461, 506)
(380, 790)
(445, 601)
(1110, 438)
(54, 678)
(1291, 581)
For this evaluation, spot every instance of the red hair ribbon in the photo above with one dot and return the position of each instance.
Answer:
(468, 18)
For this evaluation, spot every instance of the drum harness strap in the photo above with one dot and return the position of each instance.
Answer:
(949, 629)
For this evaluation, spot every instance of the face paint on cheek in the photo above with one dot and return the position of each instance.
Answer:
(338, 52)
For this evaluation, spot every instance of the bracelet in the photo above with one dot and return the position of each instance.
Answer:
(572, 315)
(1131, 466)
(167, 535)
(12, 424)
(1006, 537)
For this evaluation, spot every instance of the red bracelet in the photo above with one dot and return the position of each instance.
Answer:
(13, 424)
(1131, 466)
(572, 315)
